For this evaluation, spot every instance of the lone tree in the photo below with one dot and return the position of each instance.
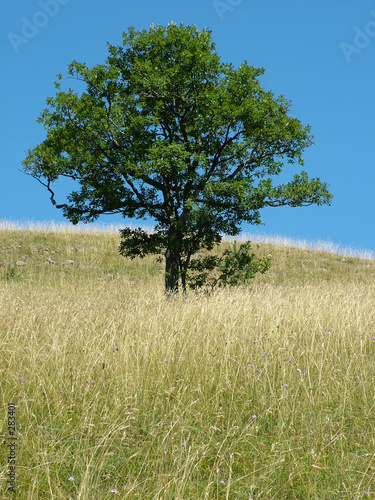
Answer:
(167, 131)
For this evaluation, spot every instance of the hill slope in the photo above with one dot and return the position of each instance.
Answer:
(264, 392)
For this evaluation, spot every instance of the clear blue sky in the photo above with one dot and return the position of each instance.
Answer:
(320, 55)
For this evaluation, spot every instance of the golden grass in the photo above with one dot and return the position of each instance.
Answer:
(260, 393)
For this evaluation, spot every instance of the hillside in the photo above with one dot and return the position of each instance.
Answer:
(53, 255)
(261, 392)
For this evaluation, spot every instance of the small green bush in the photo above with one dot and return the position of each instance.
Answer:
(236, 266)
(11, 274)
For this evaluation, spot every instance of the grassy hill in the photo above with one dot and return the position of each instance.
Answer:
(264, 392)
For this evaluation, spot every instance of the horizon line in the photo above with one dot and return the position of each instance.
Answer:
(276, 239)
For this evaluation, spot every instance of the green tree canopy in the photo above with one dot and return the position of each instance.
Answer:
(165, 130)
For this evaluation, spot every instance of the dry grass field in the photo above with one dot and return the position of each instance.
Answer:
(256, 393)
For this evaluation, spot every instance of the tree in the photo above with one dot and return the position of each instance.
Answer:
(165, 130)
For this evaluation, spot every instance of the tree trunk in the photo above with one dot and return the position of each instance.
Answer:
(183, 272)
(172, 266)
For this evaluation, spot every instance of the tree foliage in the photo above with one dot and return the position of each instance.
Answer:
(165, 130)
(236, 266)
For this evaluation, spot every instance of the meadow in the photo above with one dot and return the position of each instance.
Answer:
(265, 392)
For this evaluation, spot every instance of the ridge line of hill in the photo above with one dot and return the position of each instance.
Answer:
(274, 239)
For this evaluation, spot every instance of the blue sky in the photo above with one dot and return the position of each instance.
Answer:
(320, 55)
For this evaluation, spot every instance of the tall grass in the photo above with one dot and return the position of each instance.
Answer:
(263, 393)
